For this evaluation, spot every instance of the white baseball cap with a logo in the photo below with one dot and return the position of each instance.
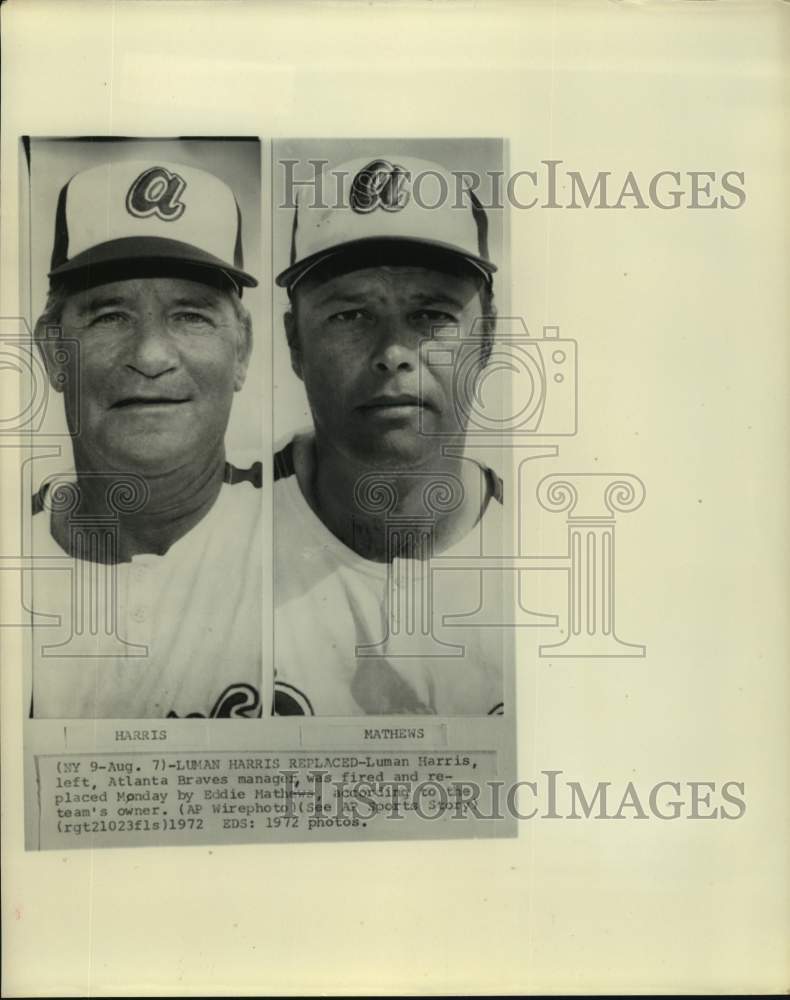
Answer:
(389, 199)
(136, 211)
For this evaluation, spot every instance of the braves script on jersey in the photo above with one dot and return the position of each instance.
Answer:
(161, 636)
(329, 602)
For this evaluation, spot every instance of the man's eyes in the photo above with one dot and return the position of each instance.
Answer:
(184, 318)
(346, 316)
(188, 318)
(109, 318)
(436, 317)
(420, 317)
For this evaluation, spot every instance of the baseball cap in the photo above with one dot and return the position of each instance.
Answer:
(136, 211)
(389, 199)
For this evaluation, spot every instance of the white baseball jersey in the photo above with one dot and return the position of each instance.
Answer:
(177, 635)
(356, 637)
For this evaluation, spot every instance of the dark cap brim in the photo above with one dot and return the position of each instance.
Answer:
(148, 248)
(292, 274)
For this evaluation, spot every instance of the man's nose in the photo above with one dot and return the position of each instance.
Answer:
(152, 350)
(397, 347)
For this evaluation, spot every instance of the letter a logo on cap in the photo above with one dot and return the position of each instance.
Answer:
(156, 192)
(380, 184)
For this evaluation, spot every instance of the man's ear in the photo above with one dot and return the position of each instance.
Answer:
(243, 352)
(292, 336)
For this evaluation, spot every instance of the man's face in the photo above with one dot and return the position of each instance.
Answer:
(380, 392)
(159, 361)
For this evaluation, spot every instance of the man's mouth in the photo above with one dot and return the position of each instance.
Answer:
(143, 401)
(395, 401)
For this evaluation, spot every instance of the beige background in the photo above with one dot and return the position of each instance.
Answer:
(681, 319)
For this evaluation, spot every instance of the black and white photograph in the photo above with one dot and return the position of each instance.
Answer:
(146, 528)
(313, 604)
(386, 498)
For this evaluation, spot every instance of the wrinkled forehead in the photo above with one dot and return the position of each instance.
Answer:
(138, 292)
(388, 282)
